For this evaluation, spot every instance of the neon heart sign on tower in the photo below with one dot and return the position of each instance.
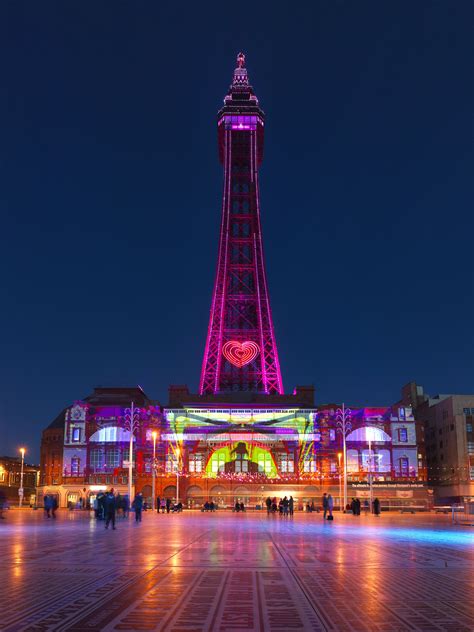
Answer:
(240, 353)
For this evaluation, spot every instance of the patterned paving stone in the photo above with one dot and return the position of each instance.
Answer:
(225, 572)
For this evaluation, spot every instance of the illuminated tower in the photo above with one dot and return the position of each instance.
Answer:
(241, 352)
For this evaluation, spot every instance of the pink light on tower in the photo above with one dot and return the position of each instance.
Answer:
(241, 352)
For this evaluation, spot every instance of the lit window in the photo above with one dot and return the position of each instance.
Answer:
(287, 463)
(113, 458)
(75, 463)
(76, 434)
(309, 465)
(402, 435)
(195, 463)
(171, 463)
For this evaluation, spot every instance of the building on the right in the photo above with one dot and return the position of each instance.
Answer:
(449, 441)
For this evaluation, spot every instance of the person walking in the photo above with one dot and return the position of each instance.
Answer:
(138, 504)
(325, 505)
(47, 502)
(110, 508)
(330, 507)
(357, 502)
(158, 504)
(168, 505)
(268, 503)
(3, 503)
(291, 505)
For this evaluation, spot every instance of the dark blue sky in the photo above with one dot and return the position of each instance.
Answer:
(110, 195)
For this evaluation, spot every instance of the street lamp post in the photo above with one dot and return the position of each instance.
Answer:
(20, 489)
(154, 435)
(132, 416)
(177, 474)
(344, 426)
(342, 506)
(371, 493)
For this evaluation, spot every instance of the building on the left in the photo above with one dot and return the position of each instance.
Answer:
(11, 480)
(85, 449)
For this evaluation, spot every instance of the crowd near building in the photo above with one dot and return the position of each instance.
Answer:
(240, 438)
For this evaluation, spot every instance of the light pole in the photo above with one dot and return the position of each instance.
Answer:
(20, 489)
(344, 426)
(339, 455)
(154, 434)
(177, 474)
(132, 416)
(370, 472)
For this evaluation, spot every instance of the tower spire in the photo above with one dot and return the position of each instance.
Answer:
(241, 352)
(240, 79)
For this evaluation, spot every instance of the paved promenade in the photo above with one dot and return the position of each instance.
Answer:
(230, 572)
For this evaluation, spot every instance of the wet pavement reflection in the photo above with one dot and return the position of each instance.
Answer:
(226, 571)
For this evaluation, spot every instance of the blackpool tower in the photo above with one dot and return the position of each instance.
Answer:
(241, 352)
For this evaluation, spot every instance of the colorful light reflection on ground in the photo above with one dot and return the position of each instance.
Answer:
(224, 571)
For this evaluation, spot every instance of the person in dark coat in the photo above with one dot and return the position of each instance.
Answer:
(325, 505)
(3, 502)
(138, 504)
(168, 505)
(291, 505)
(354, 507)
(158, 504)
(47, 504)
(110, 509)
(357, 502)
(377, 507)
(268, 503)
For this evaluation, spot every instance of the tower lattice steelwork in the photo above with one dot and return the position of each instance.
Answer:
(241, 352)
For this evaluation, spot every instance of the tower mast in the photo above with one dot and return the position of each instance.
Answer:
(241, 352)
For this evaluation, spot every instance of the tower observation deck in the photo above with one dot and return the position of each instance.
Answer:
(241, 352)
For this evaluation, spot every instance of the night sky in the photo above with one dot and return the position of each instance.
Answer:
(111, 186)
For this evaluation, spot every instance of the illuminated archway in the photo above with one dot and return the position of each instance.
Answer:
(260, 456)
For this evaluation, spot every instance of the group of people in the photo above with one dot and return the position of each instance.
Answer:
(285, 506)
(166, 505)
(355, 506)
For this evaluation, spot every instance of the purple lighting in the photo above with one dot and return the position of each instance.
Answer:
(241, 352)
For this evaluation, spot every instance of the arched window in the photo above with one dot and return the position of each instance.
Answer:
(111, 434)
(368, 433)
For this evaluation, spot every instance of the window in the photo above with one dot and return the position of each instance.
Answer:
(75, 463)
(241, 463)
(402, 435)
(309, 465)
(195, 463)
(76, 434)
(451, 427)
(404, 464)
(113, 458)
(171, 463)
(217, 463)
(97, 458)
(332, 435)
(265, 462)
(287, 463)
